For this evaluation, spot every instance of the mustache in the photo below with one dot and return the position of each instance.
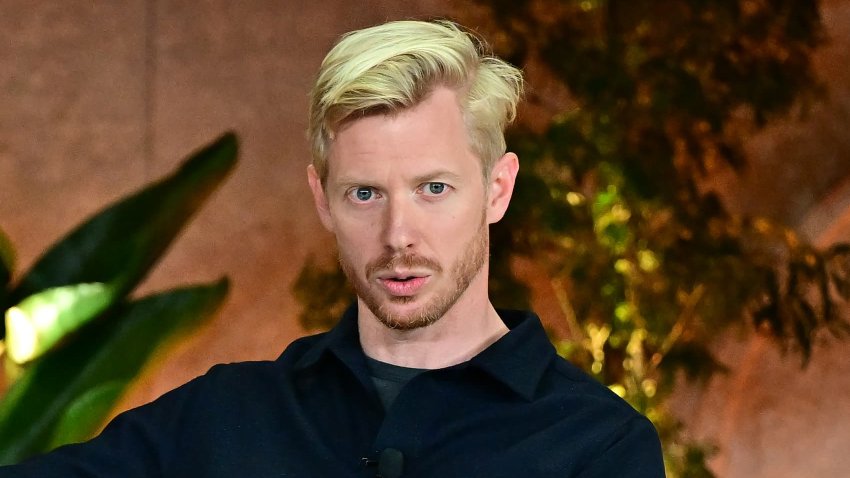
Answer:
(392, 261)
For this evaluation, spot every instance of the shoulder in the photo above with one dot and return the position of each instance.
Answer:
(577, 390)
(261, 370)
(557, 381)
(596, 419)
(255, 373)
(225, 393)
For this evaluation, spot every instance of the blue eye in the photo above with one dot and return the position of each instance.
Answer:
(363, 194)
(435, 188)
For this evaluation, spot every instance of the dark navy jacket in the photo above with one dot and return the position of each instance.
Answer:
(515, 410)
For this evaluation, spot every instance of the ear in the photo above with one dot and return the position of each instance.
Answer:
(319, 198)
(501, 186)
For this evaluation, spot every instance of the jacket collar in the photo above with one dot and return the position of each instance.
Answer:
(518, 359)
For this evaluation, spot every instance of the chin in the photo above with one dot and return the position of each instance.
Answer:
(402, 313)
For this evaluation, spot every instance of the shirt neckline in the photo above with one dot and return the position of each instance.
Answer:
(392, 372)
(518, 359)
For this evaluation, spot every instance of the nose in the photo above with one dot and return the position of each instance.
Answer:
(400, 224)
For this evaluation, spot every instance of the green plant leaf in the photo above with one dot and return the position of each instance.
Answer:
(41, 320)
(76, 425)
(110, 350)
(121, 243)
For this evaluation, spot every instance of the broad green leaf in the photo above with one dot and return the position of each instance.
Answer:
(76, 424)
(121, 243)
(109, 350)
(41, 320)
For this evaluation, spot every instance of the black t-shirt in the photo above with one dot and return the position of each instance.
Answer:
(389, 379)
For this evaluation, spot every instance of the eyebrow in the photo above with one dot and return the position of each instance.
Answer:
(351, 181)
(434, 175)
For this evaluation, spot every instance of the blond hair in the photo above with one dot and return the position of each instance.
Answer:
(396, 65)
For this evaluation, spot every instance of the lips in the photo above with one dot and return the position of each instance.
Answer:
(403, 284)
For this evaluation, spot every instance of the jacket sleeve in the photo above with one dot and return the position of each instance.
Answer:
(633, 452)
(137, 443)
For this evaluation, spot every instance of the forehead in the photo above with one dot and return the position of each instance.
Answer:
(431, 134)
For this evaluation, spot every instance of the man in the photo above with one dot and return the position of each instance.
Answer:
(422, 377)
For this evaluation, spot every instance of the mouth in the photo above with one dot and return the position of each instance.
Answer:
(403, 284)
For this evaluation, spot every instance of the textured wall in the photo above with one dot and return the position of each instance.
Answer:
(100, 97)
(771, 417)
(797, 163)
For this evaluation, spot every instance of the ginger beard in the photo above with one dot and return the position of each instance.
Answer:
(468, 264)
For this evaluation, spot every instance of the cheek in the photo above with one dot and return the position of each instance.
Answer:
(352, 257)
(355, 238)
(453, 233)
(349, 241)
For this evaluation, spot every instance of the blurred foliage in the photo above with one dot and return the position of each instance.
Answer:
(69, 320)
(647, 100)
(323, 292)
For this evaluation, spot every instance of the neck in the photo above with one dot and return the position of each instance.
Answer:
(466, 329)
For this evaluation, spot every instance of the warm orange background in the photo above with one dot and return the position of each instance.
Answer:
(99, 98)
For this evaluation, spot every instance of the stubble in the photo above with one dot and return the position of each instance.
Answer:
(467, 266)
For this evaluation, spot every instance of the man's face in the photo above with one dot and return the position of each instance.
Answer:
(406, 199)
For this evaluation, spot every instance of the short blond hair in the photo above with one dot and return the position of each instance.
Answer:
(396, 65)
